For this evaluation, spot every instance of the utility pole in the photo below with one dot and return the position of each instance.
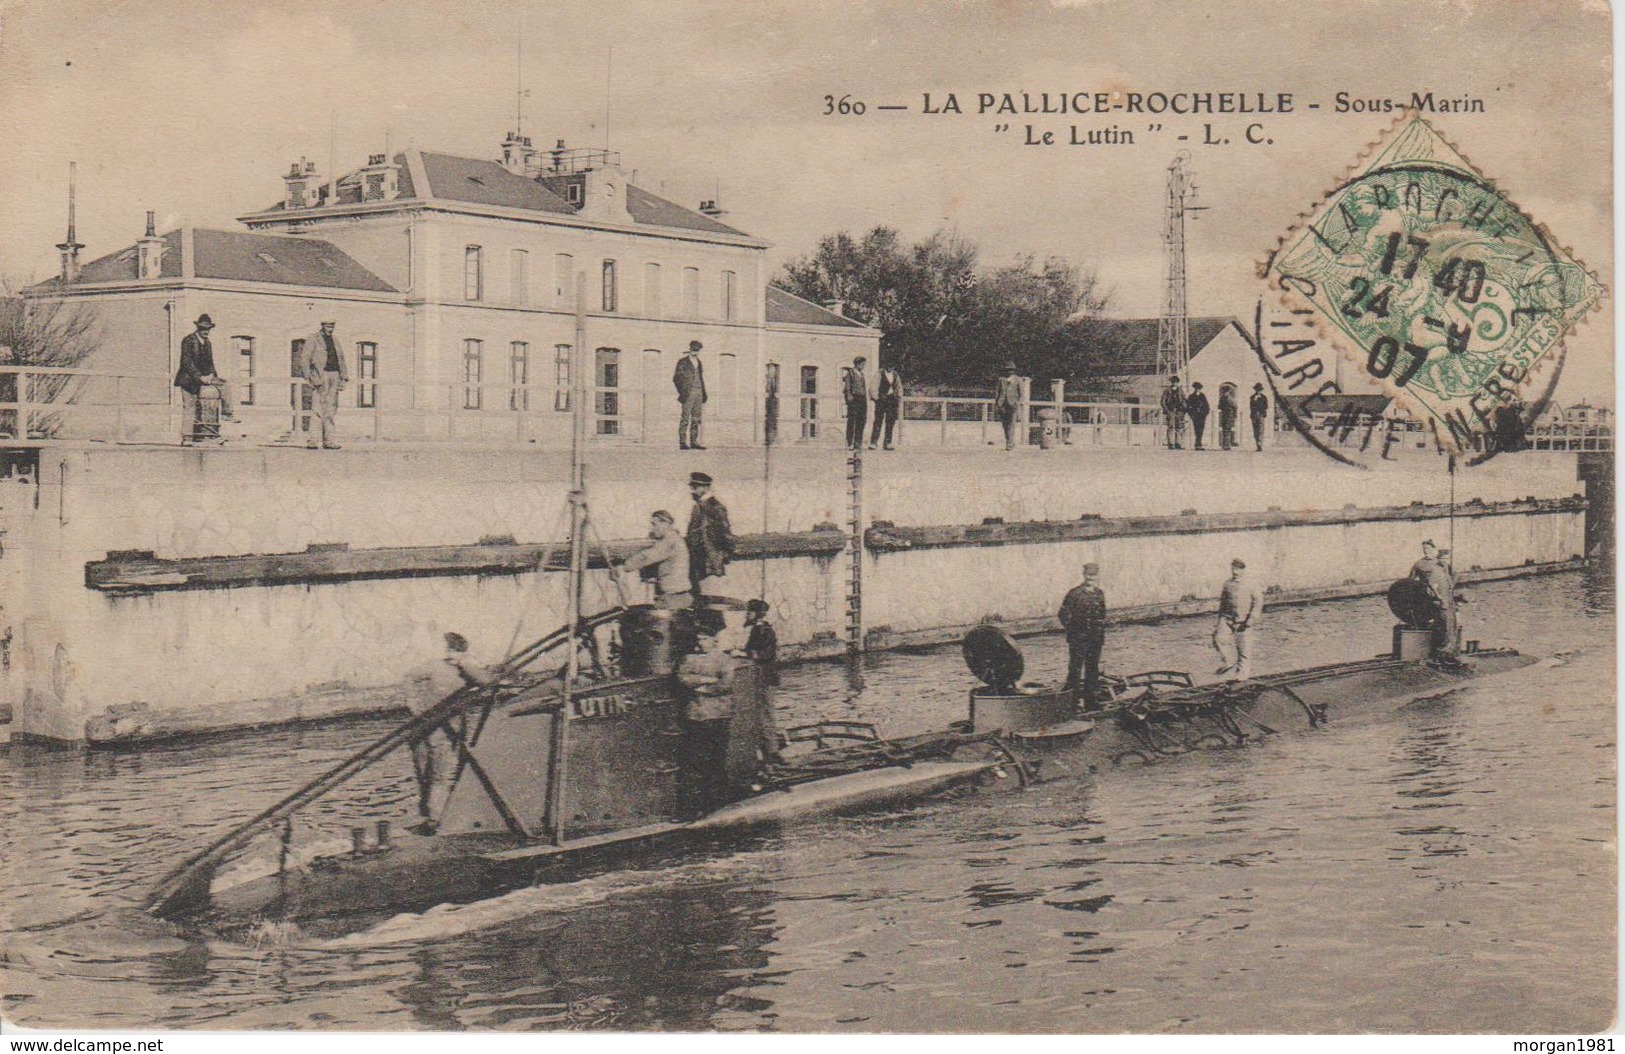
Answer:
(1173, 328)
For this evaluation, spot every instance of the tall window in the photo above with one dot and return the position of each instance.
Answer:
(519, 375)
(244, 346)
(564, 279)
(809, 402)
(691, 292)
(519, 277)
(366, 368)
(609, 285)
(651, 290)
(411, 265)
(473, 273)
(730, 283)
(606, 391)
(473, 368)
(562, 379)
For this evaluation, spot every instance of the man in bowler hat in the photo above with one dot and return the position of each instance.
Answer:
(1258, 408)
(689, 380)
(196, 370)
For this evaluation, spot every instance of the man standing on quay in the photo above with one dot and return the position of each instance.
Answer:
(1173, 415)
(196, 370)
(689, 379)
(1258, 408)
(1197, 408)
(856, 391)
(1083, 617)
(888, 404)
(327, 375)
(1006, 403)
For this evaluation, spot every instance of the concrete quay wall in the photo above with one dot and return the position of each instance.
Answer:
(83, 664)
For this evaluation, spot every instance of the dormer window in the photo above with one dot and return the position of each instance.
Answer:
(573, 193)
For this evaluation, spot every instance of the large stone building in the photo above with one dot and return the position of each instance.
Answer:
(452, 283)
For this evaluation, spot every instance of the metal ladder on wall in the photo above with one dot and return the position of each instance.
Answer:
(854, 585)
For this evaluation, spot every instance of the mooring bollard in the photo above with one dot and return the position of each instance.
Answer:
(358, 840)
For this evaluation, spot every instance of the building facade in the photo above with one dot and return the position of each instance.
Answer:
(455, 285)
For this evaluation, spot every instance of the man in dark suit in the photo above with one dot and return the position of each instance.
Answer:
(1258, 408)
(1083, 617)
(689, 380)
(1197, 408)
(196, 370)
(710, 535)
(888, 404)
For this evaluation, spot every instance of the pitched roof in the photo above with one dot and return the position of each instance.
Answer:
(479, 182)
(785, 306)
(1127, 347)
(242, 256)
(488, 183)
(657, 211)
(247, 257)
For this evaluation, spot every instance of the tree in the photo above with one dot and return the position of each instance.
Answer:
(942, 318)
(41, 331)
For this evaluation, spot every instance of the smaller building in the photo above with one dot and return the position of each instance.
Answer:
(1120, 355)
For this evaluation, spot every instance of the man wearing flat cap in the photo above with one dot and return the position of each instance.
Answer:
(710, 536)
(1083, 617)
(196, 370)
(1241, 603)
(325, 372)
(1173, 415)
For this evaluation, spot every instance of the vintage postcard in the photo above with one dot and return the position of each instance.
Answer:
(959, 517)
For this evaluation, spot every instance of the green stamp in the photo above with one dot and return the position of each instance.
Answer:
(1434, 285)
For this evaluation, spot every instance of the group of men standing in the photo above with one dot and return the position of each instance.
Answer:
(684, 566)
(321, 365)
(1178, 406)
(1083, 619)
(887, 397)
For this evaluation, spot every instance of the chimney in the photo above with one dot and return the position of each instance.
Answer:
(302, 185)
(711, 209)
(837, 306)
(380, 180)
(149, 252)
(70, 248)
(603, 195)
(558, 156)
(518, 156)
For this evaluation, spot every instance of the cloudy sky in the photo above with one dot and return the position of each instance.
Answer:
(194, 109)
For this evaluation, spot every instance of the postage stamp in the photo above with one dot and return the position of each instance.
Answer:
(1434, 284)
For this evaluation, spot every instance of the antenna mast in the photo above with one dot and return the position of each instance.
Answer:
(70, 248)
(1173, 328)
(519, 78)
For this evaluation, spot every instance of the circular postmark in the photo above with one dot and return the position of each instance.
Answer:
(1440, 292)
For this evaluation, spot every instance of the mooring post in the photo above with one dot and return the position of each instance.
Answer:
(854, 587)
(1596, 471)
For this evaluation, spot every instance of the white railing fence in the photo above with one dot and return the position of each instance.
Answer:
(43, 403)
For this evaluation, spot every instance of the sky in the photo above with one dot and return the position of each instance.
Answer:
(194, 110)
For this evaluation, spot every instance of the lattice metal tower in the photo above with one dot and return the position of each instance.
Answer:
(1173, 328)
